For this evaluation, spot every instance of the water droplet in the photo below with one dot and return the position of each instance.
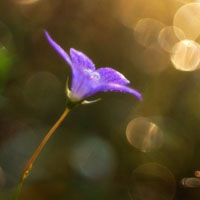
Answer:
(95, 75)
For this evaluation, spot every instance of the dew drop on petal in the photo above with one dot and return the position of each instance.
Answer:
(143, 134)
(92, 74)
(186, 55)
(95, 76)
(146, 31)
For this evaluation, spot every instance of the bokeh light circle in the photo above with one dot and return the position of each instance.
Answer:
(153, 181)
(93, 158)
(143, 134)
(188, 1)
(186, 55)
(191, 182)
(146, 31)
(187, 18)
(168, 37)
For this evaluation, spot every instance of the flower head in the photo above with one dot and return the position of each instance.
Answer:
(86, 80)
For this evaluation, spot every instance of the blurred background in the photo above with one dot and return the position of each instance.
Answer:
(118, 148)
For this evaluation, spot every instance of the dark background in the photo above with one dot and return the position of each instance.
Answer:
(89, 157)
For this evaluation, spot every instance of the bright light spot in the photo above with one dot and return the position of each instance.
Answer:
(153, 181)
(93, 158)
(168, 37)
(187, 18)
(143, 134)
(146, 31)
(186, 55)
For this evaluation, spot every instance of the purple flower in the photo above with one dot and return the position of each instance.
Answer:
(86, 80)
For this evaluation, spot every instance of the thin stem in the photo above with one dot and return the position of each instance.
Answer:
(18, 189)
(29, 164)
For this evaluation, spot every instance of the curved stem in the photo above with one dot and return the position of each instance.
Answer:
(29, 164)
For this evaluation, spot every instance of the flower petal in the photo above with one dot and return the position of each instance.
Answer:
(109, 75)
(59, 50)
(80, 60)
(84, 82)
(114, 88)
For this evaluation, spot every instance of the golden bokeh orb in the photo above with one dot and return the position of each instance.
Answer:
(187, 18)
(143, 134)
(147, 30)
(186, 55)
(168, 37)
